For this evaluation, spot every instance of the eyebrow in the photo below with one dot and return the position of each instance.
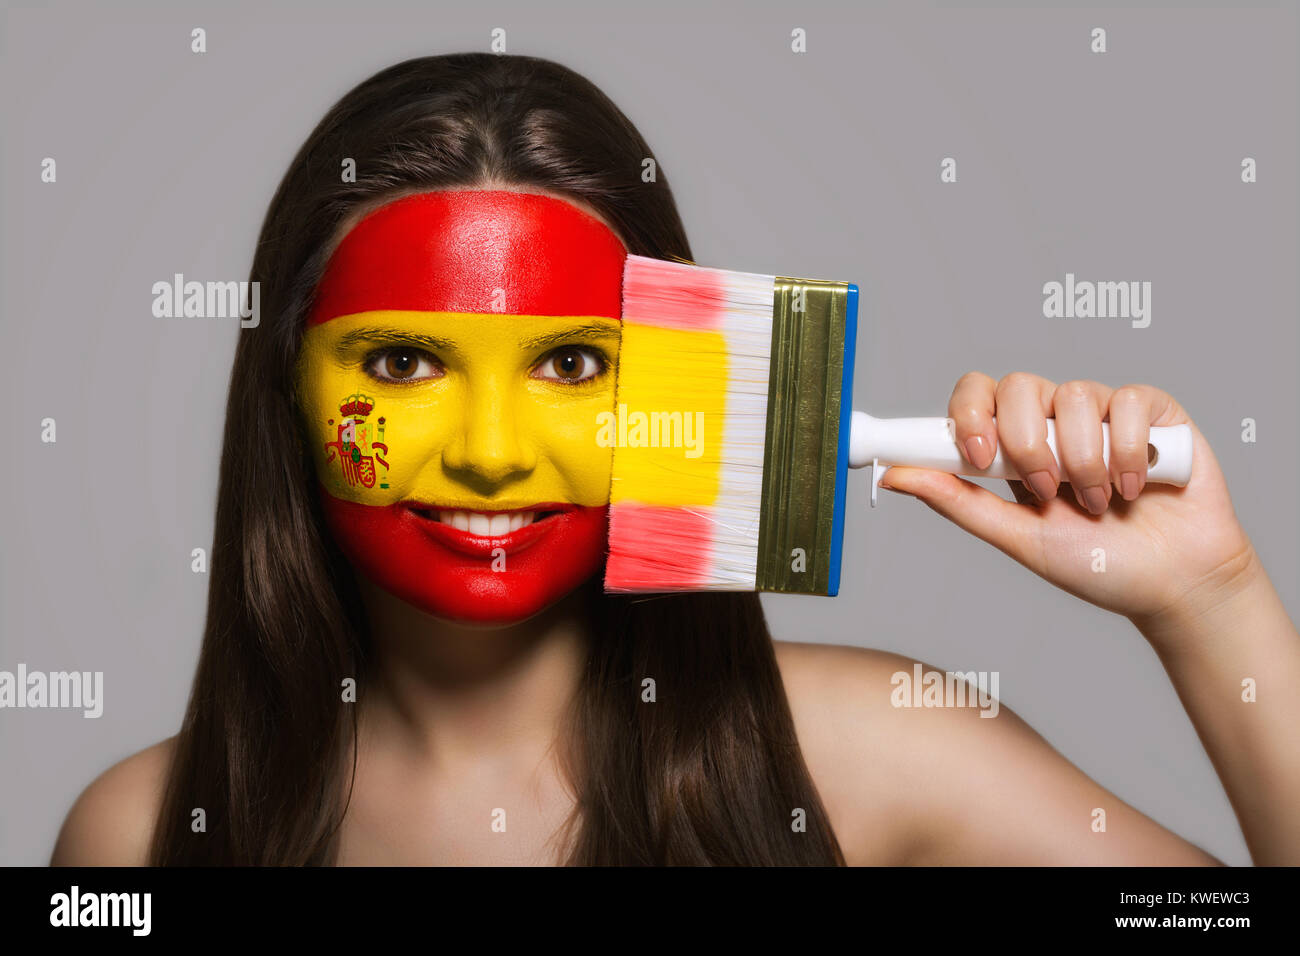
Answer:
(436, 343)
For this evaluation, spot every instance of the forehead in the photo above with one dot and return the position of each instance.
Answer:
(475, 251)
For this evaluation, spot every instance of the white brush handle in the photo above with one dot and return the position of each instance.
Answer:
(931, 443)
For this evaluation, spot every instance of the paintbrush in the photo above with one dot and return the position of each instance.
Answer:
(734, 431)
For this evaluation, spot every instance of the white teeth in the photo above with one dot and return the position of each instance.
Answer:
(487, 525)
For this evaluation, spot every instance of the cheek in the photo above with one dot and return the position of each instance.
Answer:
(369, 441)
(420, 423)
(565, 433)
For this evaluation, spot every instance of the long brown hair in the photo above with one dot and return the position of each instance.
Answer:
(711, 773)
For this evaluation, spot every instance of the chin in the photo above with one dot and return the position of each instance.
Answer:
(489, 604)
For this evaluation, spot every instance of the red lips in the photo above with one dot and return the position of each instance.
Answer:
(460, 576)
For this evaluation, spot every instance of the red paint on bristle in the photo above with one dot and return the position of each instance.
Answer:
(657, 549)
(698, 295)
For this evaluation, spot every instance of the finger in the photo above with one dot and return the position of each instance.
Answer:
(1078, 407)
(1023, 402)
(1131, 411)
(1164, 410)
(971, 409)
(1007, 526)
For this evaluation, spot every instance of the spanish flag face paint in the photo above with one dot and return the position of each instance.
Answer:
(456, 362)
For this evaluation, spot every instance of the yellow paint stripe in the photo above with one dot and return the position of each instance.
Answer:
(671, 383)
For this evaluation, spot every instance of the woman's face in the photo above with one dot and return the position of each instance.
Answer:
(460, 349)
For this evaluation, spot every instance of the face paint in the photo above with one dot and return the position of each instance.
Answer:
(460, 350)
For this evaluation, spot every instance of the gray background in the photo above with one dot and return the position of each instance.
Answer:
(1116, 167)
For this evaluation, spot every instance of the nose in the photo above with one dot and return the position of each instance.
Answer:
(487, 444)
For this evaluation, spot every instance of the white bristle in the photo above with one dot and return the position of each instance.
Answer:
(747, 327)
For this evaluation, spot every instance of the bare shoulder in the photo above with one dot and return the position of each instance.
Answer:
(916, 766)
(854, 745)
(112, 821)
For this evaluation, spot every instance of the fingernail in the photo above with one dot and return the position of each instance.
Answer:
(1128, 485)
(1094, 499)
(1042, 484)
(975, 451)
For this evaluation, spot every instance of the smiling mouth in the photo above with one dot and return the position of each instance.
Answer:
(487, 524)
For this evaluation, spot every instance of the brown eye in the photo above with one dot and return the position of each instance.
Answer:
(571, 364)
(403, 365)
(400, 364)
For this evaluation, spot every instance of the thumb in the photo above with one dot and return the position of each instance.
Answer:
(1007, 526)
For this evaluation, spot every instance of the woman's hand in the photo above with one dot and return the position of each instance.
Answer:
(1164, 550)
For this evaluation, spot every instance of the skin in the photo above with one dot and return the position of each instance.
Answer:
(465, 719)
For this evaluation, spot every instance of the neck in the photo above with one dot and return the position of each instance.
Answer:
(460, 693)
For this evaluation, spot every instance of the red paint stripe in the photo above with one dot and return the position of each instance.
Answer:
(657, 549)
(392, 546)
(673, 295)
(451, 251)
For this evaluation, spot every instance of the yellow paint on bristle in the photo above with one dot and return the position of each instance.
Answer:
(661, 372)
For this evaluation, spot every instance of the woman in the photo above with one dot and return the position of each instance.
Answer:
(367, 694)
